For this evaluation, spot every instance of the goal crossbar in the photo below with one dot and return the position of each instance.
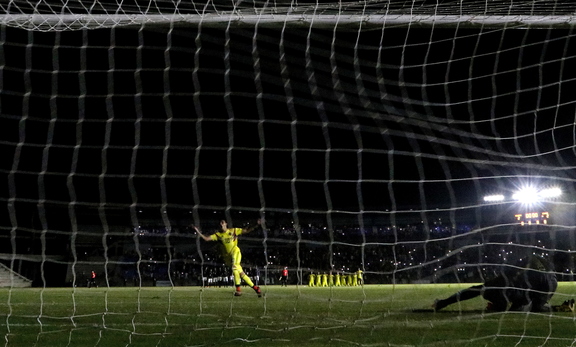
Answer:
(54, 22)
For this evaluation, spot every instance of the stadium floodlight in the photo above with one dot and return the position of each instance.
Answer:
(550, 193)
(494, 198)
(529, 195)
(526, 195)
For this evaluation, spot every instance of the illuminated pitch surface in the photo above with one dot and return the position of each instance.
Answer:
(293, 316)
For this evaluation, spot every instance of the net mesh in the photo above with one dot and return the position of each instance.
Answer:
(384, 136)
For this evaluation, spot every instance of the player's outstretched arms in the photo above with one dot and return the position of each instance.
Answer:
(206, 238)
(253, 227)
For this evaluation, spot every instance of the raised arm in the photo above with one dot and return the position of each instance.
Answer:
(252, 228)
(206, 238)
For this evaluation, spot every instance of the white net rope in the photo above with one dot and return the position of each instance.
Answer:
(383, 136)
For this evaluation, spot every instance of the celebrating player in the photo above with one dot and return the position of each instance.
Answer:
(228, 238)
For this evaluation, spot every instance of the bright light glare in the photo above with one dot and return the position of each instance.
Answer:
(531, 195)
(550, 193)
(492, 198)
(526, 195)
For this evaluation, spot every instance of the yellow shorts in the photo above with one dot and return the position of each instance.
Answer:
(234, 258)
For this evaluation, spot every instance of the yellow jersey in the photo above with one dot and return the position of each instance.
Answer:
(228, 239)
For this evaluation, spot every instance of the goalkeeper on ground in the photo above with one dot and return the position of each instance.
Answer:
(524, 288)
(228, 238)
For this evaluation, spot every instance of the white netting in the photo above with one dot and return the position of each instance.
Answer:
(366, 134)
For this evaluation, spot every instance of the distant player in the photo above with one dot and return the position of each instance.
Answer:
(228, 238)
(360, 275)
(324, 280)
(344, 280)
(311, 280)
(338, 280)
(526, 288)
(92, 280)
(284, 277)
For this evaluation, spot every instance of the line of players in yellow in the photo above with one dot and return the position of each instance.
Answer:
(336, 280)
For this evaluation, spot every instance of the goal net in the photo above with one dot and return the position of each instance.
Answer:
(428, 145)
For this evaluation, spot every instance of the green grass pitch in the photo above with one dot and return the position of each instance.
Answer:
(373, 315)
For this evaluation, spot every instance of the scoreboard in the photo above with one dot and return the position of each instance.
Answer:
(532, 218)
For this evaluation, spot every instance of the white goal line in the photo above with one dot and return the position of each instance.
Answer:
(55, 22)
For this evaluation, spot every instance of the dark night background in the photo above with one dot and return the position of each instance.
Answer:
(393, 124)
